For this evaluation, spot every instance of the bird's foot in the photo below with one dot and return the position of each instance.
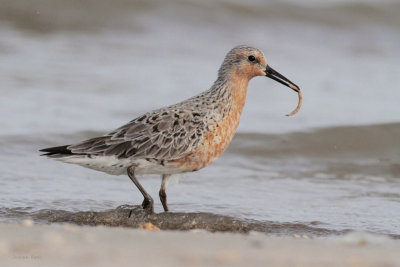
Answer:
(134, 210)
(148, 205)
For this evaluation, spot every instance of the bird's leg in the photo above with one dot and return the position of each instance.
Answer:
(163, 195)
(148, 200)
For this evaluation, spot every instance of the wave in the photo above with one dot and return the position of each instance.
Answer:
(369, 151)
(376, 140)
(369, 141)
(48, 15)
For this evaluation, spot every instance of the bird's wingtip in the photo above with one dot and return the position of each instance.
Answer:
(62, 150)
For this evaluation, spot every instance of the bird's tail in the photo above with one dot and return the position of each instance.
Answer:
(56, 151)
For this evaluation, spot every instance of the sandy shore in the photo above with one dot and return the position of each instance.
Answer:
(71, 245)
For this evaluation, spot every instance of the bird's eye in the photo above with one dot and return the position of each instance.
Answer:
(252, 58)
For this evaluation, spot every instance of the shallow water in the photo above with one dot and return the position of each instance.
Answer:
(329, 177)
(71, 72)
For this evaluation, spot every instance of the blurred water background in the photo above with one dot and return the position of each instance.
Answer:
(71, 70)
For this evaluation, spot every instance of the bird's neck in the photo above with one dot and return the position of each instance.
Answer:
(231, 91)
(238, 88)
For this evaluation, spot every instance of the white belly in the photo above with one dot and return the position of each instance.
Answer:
(116, 166)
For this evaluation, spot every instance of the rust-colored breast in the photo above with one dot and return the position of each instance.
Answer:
(221, 133)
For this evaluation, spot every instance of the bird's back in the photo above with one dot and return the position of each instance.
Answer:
(162, 136)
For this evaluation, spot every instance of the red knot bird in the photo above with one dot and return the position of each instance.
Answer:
(180, 138)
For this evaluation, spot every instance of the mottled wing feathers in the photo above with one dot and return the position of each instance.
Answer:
(168, 134)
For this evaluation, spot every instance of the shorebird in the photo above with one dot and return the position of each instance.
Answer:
(180, 138)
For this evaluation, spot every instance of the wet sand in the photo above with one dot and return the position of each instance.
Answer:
(71, 245)
(134, 216)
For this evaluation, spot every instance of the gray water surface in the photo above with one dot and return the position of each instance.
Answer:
(342, 185)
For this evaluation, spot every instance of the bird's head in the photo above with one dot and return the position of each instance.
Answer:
(247, 62)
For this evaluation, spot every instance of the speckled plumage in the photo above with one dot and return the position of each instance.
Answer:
(179, 138)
